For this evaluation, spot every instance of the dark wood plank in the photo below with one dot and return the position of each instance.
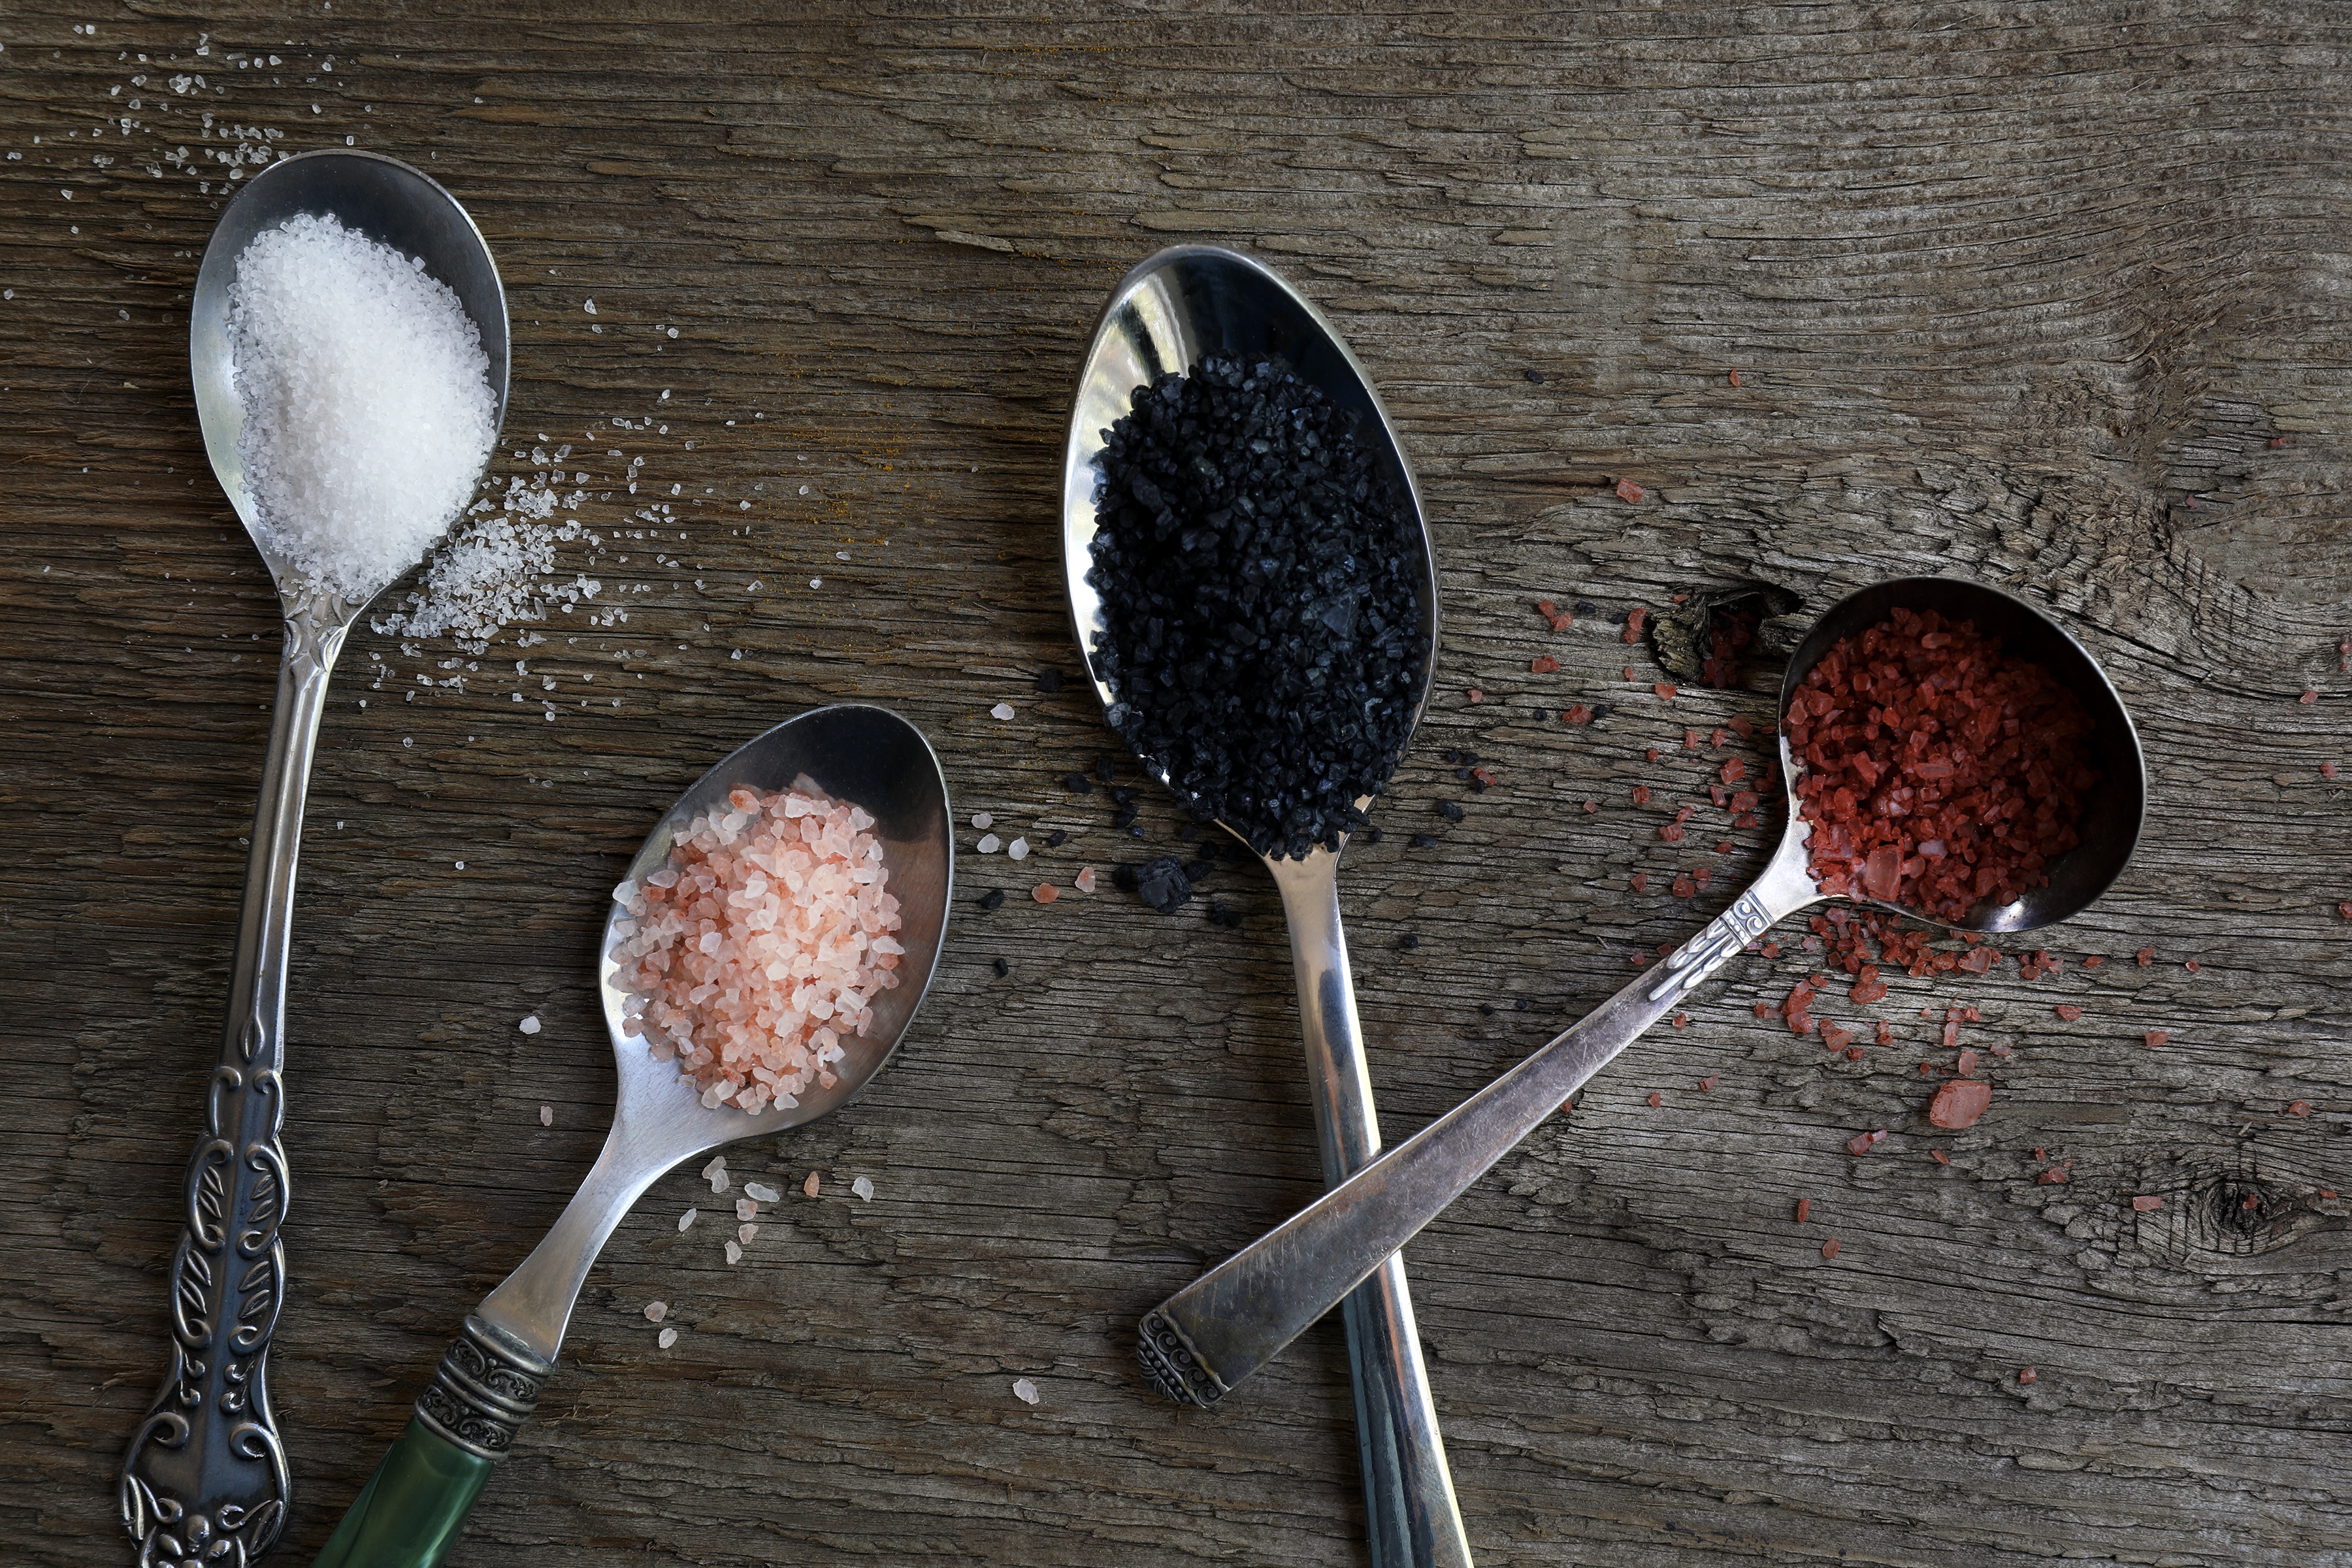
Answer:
(2054, 297)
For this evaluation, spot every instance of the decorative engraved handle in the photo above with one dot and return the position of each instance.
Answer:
(1237, 1317)
(204, 1480)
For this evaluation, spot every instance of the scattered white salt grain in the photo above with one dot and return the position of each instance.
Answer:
(715, 1174)
(657, 1310)
(367, 402)
(982, 820)
(816, 582)
(759, 1191)
(547, 1116)
(1018, 849)
(589, 306)
(689, 1217)
(864, 1188)
(1085, 880)
(746, 1209)
(810, 1186)
(530, 1025)
(1002, 711)
(746, 1232)
(668, 1338)
(1025, 1391)
(734, 1252)
(989, 844)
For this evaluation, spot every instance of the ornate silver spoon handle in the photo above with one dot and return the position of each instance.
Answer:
(206, 1474)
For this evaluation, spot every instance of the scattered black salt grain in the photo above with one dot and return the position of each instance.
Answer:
(1105, 769)
(1049, 681)
(1003, 969)
(1219, 915)
(1161, 883)
(1449, 810)
(1078, 783)
(1408, 942)
(1261, 583)
(1056, 838)
(991, 899)
(1423, 841)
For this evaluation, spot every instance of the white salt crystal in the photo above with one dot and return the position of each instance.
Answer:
(864, 1188)
(989, 844)
(668, 1338)
(734, 1252)
(715, 1174)
(367, 402)
(530, 1025)
(746, 1209)
(1002, 711)
(547, 1116)
(1025, 1391)
(982, 820)
(1085, 880)
(746, 1232)
(657, 1310)
(689, 1217)
(761, 1191)
(1018, 849)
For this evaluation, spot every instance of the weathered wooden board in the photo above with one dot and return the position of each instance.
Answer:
(2056, 297)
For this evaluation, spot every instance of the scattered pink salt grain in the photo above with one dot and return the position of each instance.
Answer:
(809, 1188)
(547, 1116)
(657, 1310)
(1045, 892)
(1627, 491)
(2146, 1202)
(758, 948)
(1476, 696)
(1085, 880)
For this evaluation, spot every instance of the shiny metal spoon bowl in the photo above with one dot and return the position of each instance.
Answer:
(488, 1383)
(206, 1466)
(1173, 309)
(1237, 1317)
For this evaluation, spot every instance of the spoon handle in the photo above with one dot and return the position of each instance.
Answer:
(1414, 1519)
(1238, 1316)
(207, 1467)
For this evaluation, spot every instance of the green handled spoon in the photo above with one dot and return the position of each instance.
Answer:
(412, 1510)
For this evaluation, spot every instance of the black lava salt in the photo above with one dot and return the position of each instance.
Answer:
(1261, 586)
(1161, 883)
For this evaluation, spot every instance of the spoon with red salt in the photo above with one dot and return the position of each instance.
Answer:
(414, 1507)
(1237, 1317)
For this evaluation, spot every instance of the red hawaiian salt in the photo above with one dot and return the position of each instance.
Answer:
(1641, 795)
(1938, 772)
(1664, 688)
(1543, 665)
(1960, 1102)
(2157, 1038)
(1939, 1156)
(1633, 619)
(1656, 1099)
(2026, 1374)
(1576, 714)
(1627, 491)
(1830, 1248)
(1710, 1081)
(2147, 955)
(2147, 1204)
(1804, 1210)
(2067, 1014)
(1863, 1142)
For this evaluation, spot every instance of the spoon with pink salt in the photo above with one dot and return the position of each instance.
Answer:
(673, 1103)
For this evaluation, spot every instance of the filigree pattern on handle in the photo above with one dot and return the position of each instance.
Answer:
(483, 1390)
(1734, 929)
(1175, 1372)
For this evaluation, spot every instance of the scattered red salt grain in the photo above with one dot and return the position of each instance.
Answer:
(1674, 832)
(2157, 1038)
(2147, 955)
(1627, 491)
(1804, 1210)
(1735, 378)
(1830, 1248)
(2308, 699)
(1591, 806)
(1763, 1009)
(1641, 795)
(1578, 714)
(1045, 892)
(2147, 1204)
(1633, 619)
(1650, 755)
(1717, 740)
(1684, 887)
(758, 947)
(1543, 664)
(2345, 909)
(1835, 1036)
(1706, 1084)
(1966, 1064)
(1628, 672)
(1476, 696)
(1656, 1099)
(1724, 846)
(2092, 960)
(1732, 771)
(1863, 1142)
(2328, 770)
(1939, 1156)
(1682, 1020)
(1885, 1036)
(2300, 1107)
(1641, 881)
(1959, 1103)
(2069, 1014)
(1771, 949)
(2051, 1177)
(1938, 771)
(2026, 1374)
(1664, 688)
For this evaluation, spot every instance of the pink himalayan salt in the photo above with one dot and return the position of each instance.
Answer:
(757, 949)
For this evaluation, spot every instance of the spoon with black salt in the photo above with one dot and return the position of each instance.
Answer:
(1254, 597)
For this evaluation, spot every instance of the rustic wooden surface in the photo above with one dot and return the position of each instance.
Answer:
(2054, 296)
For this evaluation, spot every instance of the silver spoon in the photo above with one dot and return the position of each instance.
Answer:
(1237, 1317)
(206, 1468)
(1175, 307)
(414, 1505)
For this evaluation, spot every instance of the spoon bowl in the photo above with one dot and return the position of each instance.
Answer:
(2110, 826)
(1238, 1316)
(416, 1504)
(379, 197)
(1176, 307)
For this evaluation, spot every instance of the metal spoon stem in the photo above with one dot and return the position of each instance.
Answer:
(209, 1448)
(1238, 1316)
(1407, 1488)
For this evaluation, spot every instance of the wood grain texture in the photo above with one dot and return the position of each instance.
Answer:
(2053, 296)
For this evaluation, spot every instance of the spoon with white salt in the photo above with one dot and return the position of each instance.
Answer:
(417, 1502)
(347, 342)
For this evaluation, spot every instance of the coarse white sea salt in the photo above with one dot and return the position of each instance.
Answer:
(666, 1338)
(864, 1188)
(689, 1217)
(547, 1116)
(1025, 1391)
(657, 1310)
(760, 1191)
(989, 844)
(530, 1025)
(715, 1174)
(1018, 849)
(367, 402)
(1002, 711)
